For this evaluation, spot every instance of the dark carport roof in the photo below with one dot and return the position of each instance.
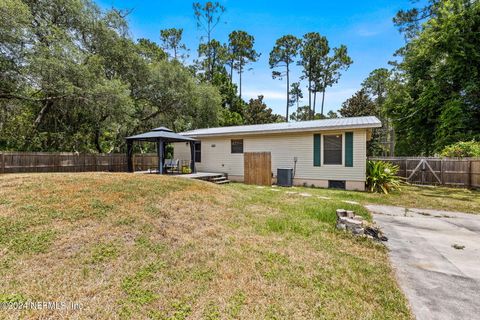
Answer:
(160, 133)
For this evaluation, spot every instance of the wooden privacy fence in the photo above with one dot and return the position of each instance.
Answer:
(257, 168)
(18, 162)
(463, 172)
(144, 161)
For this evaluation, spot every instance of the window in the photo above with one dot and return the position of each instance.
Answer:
(237, 146)
(332, 149)
(198, 151)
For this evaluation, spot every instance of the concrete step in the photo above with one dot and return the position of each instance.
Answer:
(210, 178)
(221, 181)
(218, 178)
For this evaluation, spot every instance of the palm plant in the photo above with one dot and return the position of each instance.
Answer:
(382, 177)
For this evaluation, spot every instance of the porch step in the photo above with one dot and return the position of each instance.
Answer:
(221, 181)
(219, 178)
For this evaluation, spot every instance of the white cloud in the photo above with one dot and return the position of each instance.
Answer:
(373, 27)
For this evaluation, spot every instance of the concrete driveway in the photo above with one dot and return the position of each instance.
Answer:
(439, 280)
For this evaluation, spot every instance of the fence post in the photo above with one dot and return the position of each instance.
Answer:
(469, 173)
(2, 157)
(441, 171)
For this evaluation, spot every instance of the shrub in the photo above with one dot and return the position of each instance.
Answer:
(462, 149)
(382, 176)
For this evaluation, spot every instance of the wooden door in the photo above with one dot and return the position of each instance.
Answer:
(257, 168)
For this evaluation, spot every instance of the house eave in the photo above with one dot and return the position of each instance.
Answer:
(283, 131)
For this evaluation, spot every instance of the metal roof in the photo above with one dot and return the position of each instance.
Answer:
(301, 126)
(162, 129)
(160, 133)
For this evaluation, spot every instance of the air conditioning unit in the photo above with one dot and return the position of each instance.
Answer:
(285, 177)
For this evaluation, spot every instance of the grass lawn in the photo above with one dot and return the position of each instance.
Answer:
(146, 246)
(428, 197)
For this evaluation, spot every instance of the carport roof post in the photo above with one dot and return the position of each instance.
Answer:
(161, 136)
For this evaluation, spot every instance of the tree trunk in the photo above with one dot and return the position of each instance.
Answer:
(240, 80)
(323, 99)
(43, 111)
(97, 141)
(309, 94)
(314, 103)
(214, 58)
(288, 90)
(209, 59)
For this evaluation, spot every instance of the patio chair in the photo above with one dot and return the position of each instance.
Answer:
(172, 165)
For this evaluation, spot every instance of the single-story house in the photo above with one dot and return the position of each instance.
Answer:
(324, 153)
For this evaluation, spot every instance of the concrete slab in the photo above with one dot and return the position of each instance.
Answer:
(440, 282)
(350, 202)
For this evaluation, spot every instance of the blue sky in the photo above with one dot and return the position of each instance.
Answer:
(365, 27)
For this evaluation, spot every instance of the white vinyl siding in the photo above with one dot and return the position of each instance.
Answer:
(284, 147)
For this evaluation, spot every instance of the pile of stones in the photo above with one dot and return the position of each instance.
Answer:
(348, 221)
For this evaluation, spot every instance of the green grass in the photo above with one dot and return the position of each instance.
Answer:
(103, 252)
(428, 197)
(143, 246)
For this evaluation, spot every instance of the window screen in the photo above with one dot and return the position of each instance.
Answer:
(198, 151)
(332, 149)
(237, 146)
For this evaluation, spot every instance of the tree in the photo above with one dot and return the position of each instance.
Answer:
(183, 102)
(314, 47)
(72, 80)
(295, 94)
(433, 100)
(150, 51)
(241, 44)
(282, 56)
(409, 22)
(304, 114)
(257, 112)
(230, 59)
(319, 68)
(208, 16)
(212, 58)
(172, 42)
(329, 70)
(377, 85)
(59, 81)
(359, 105)
(332, 114)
